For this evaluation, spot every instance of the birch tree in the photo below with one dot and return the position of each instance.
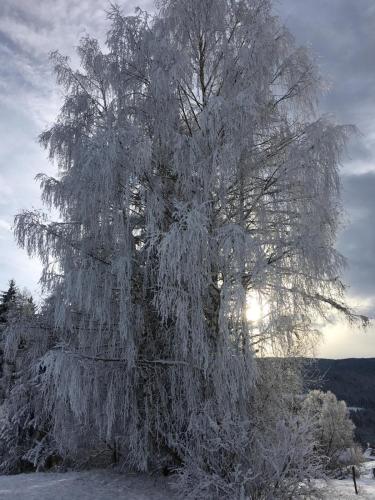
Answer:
(193, 172)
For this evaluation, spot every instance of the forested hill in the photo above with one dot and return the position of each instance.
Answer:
(352, 380)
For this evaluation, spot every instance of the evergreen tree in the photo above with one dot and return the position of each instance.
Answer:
(7, 298)
(24, 440)
(7, 301)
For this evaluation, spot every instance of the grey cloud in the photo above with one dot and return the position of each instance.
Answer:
(29, 31)
(362, 150)
(359, 191)
(357, 241)
(342, 36)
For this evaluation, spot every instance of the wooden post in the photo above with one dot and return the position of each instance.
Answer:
(354, 480)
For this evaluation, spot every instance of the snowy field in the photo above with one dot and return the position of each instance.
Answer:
(89, 485)
(344, 489)
(107, 485)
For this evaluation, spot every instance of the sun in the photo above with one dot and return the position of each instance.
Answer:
(256, 309)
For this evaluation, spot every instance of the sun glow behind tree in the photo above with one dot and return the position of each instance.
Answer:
(256, 309)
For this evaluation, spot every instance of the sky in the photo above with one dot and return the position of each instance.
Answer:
(341, 36)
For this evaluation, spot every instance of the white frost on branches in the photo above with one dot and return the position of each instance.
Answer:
(193, 171)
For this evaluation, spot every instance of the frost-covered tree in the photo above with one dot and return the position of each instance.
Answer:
(334, 429)
(21, 405)
(194, 172)
(13, 303)
(7, 299)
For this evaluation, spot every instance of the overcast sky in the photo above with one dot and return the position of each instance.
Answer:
(341, 35)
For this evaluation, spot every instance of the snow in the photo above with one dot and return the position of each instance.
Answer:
(355, 409)
(369, 455)
(88, 485)
(109, 485)
(344, 489)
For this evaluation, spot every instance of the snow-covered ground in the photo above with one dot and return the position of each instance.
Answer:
(107, 485)
(344, 489)
(88, 485)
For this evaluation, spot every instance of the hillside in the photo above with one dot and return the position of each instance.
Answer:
(352, 380)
